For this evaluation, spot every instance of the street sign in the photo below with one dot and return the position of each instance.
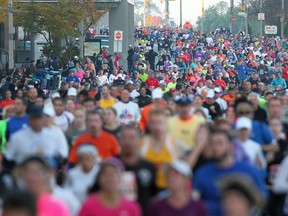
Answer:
(261, 16)
(241, 13)
(233, 19)
(281, 19)
(270, 29)
(245, 15)
(118, 35)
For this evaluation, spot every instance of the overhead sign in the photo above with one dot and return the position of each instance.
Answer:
(261, 16)
(118, 35)
(270, 29)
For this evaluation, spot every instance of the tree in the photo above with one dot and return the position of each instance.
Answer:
(151, 9)
(57, 21)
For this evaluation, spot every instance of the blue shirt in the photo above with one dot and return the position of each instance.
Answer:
(15, 123)
(74, 79)
(261, 133)
(241, 71)
(207, 178)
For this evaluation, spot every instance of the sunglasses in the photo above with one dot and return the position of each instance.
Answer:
(244, 113)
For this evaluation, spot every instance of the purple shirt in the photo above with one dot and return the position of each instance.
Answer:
(163, 208)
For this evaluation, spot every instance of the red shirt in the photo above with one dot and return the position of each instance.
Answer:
(285, 73)
(6, 102)
(221, 83)
(152, 82)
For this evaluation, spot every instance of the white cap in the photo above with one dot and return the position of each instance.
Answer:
(162, 82)
(130, 82)
(217, 90)
(49, 111)
(243, 123)
(87, 148)
(210, 94)
(119, 75)
(72, 92)
(182, 167)
(157, 93)
(55, 95)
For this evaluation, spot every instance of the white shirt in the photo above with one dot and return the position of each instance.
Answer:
(26, 142)
(103, 80)
(64, 120)
(254, 152)
(222, 103)
(112, 78)
(65, 195)
(62, 141)
(79, 182)
(134, 94)
(127, 112)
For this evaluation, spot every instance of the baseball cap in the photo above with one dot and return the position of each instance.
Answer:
(55, 94)
(36, 112)
(157, 93)
(72, 92)
(217, 90)
(130, 82)
(210, 94)
(87, 148)
(243, 123)
(162, 82)
(184, 100)
(94, 85)
(181, 167)
(119, 76)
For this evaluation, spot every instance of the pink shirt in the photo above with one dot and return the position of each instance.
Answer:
(80, 74)
(47, 205)
(94, 207)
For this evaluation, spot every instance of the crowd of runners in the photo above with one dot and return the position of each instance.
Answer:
(194, 125)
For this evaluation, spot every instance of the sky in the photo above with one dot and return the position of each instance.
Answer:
(191, 8)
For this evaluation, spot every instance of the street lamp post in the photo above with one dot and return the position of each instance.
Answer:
(261, 21)
(282, 18)
(231, 15)
(11, 32)
(202, 19)
(181, 13)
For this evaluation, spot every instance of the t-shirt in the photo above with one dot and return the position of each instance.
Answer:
(93, 206)
(145, 173)
(26, 142)
(106, 144)
(107, 103)
(79, 182)
(15, 123)
(47, 205)
(185, 130)
(163, 208)
(207, 178)
(72, 134)
(127, 112)
(64, 120)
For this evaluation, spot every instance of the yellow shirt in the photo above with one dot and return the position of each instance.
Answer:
(185, 130)
(107, 103)
(160, 158)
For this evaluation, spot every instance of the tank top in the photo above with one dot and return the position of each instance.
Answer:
(159, 159)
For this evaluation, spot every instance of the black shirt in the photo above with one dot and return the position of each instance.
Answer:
(145, 173)
(260, 115)
(142, 100)
(216, 107)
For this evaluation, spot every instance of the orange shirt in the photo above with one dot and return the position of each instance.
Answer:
(145, 116)
(229, 99)
(106, 144)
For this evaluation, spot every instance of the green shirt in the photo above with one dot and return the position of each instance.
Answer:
(143, 77)
(3, 126)
(171, 85)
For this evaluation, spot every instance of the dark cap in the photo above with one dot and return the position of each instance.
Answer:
(47, 162)
(94, 85)
(184, 100)
(36, 112)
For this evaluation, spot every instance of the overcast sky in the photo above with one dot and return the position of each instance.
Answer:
(191, 8)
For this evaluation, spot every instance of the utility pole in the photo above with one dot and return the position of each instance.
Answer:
(282, 19)
(261, 21)
(246, 17)
(231, 15)
(81, 39)
(202, 19)
(181, 21)
(11, 32)
(167, 13)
